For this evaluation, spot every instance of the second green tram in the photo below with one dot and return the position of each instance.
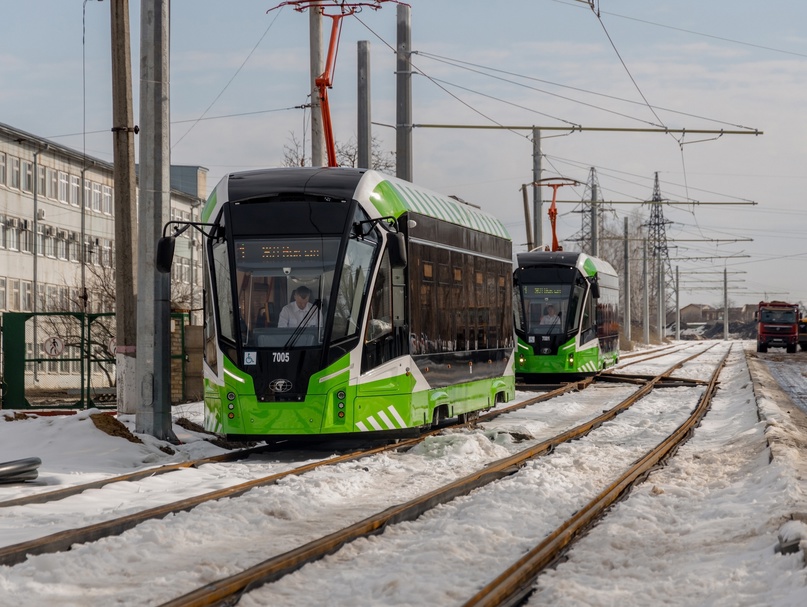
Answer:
(403, 313)
(566, 312)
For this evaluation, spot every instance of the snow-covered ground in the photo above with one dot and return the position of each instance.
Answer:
(704, 530)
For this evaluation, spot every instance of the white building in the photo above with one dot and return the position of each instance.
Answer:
(53, 200)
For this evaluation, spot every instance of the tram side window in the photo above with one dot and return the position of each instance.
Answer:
(353, 284)
(588, 330)
(518, 310)
(221, 271)
(211, 348)
(380, 323)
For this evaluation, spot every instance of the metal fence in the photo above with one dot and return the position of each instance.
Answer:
(58, 359)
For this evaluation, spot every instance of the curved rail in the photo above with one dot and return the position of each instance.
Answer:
(517, 581)
(274, 568)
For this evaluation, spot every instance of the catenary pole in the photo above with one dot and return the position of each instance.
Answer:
(315, 61)
(123, 133)
(537, 196)
(725, 304)
(364, 130)
(153, 365)
(403, 79)
(646, 320)
(626, 284)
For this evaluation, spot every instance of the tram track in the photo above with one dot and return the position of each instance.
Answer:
(224, 591)
(547, 392)
(63, 541)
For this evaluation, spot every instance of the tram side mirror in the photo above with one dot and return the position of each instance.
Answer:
(595, 286)
(165, 254)
(396, 244)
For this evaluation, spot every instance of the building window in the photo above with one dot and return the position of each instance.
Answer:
(107, 200)
(12, 235)
(53, 184)
(75, 190)
(50, 242)
(14, 295)
(61, 245)
(27, 176)
(2, 293)
(2, 169)
(63, 191)
(40, 239)
(42, 182)
(72, 247)
(87, 194)
(53, 298)
(15, 173)
(96, 197)
(2, 232)
(25, 238)
(27, 296)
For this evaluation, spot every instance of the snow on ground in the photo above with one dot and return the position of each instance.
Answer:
(704, 530)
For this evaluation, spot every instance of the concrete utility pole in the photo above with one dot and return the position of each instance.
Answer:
(646, 302)
(626, 284)
(537, 200)
(364, 129)
(154, 288)
(725, 304)
(403, 119)
(123, 132)
(317, 130)
(677, 306)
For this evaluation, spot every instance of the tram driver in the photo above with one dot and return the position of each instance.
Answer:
(550, 316)
(293, 314)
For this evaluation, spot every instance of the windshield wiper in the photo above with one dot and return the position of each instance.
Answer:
(303, 324)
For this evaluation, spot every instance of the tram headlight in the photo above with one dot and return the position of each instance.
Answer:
(341, 395)
(341, 405)
(231, 406)
(341, 415)
(231, 415)
(571, 359)
(230, 395)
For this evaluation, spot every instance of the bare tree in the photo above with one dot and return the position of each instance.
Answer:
(294, 153)
(347, 154)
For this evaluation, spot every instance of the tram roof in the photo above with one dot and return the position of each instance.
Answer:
(586, 263)
(392, 196)
(388, 195)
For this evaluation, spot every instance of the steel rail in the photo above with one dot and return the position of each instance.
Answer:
(274, 568)
(63, 540)
(56, 542)
(49, 496)
(517, 581)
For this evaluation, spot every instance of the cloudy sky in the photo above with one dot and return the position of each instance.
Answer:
(238, 75)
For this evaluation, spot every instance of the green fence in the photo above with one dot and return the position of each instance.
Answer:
(58, 359)
(67, 360)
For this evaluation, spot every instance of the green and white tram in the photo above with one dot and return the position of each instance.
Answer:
(566, 311)
(403, 306)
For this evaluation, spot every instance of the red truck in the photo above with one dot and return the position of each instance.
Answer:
(777, 325)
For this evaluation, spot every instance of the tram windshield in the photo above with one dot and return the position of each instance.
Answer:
(284, 286)
(547, 309)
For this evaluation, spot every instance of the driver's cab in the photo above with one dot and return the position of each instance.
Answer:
(261, 299)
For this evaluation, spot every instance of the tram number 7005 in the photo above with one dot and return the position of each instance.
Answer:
(280, 357)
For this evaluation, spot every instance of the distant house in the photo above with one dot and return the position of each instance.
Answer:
(699, 313)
